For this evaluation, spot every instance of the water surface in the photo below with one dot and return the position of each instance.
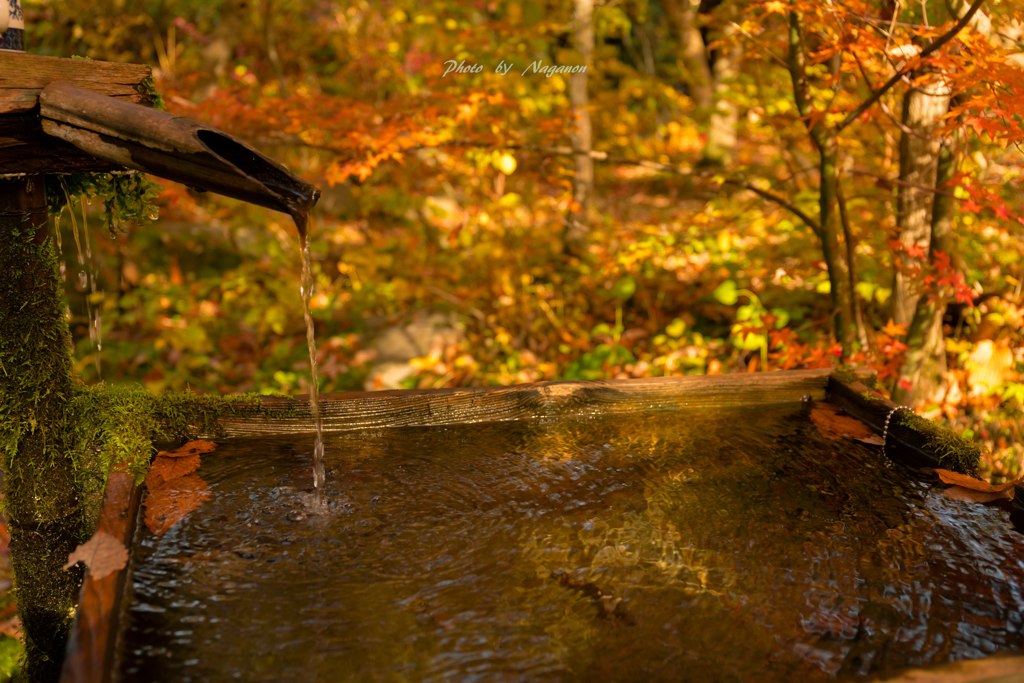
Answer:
(686, 546)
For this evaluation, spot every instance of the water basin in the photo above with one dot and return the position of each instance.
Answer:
(680, 545)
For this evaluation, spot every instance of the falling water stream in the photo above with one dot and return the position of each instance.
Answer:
(306, 290)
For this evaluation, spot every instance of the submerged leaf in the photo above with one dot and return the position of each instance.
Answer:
(165, 469)
(103, 554)
(173, 501)
(833, 425)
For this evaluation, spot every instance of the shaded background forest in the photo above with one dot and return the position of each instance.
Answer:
(729, 187)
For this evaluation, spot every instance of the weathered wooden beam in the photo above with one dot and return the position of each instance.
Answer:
(23, 146)
(23, 76)
(374, 410)
(914, 440)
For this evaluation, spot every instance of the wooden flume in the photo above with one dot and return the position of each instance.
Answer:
(70, 115)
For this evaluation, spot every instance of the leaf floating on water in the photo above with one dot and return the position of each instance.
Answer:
(966, 487)
(190, 449)
(173, 501)
(165, 469)
(833, 425)
(174, 489)
(103, 554)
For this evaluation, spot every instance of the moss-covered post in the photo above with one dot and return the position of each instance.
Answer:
(35, 389)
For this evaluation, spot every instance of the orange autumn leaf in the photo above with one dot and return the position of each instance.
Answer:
(188, 450)
(166, 469)
(833, 425)
(173, 501)
(966, 487)
(894, 329)
(103, 554)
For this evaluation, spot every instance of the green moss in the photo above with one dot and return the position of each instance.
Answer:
(35, 388)
(952, 451)
(848, 374)
(149, 94)
(117, 426)
(129, 197)
(35, 375)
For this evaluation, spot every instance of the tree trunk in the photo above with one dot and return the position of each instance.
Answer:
(721, 139)
(578, 226)
(920, 212)
(922, 377)
(825, 142)
(35, 388)
(682, 16)
(832, 251)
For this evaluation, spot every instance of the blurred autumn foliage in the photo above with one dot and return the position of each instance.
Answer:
(776, 184)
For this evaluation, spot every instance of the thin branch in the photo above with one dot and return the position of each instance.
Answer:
(598, 155)
(928, 49)
(753, 39)
(776, 199)
(851, 265)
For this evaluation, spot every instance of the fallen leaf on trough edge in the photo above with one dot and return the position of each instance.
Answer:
(103, 554)
(972, 496)
(966, 487)
(833, 425)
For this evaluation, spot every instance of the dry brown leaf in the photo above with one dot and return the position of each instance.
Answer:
(975, 484)
(188, 450)
(103, 554)
(170, 503)
(165, 469)
(832, 425)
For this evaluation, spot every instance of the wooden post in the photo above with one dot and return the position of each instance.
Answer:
(35, 387)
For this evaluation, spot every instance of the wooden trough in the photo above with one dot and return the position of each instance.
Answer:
(92, 647)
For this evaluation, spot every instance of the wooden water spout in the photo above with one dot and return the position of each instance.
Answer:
(172, 147)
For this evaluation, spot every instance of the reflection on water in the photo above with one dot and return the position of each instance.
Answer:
(678, 546)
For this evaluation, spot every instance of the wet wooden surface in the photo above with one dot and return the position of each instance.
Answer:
(91, 646)
(374, 410)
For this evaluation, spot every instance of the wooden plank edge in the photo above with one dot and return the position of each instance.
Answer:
(91, 646)
(23, 76)
(434, 407)
(912, 440)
